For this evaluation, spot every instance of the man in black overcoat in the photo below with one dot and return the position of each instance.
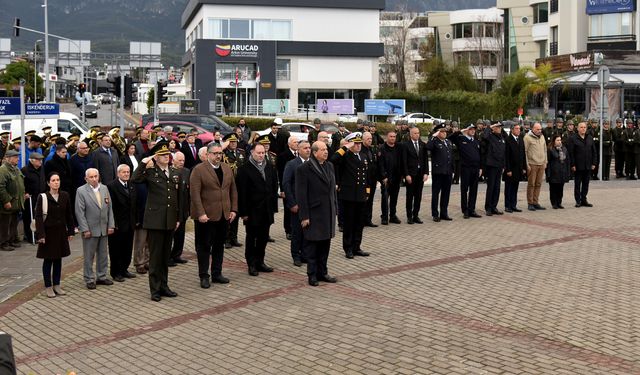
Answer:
(515, 168)
(123, 195)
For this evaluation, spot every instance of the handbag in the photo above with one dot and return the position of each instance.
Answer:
(45, 206)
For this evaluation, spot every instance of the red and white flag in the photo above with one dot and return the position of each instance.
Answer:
(236, 76)
(258, 75)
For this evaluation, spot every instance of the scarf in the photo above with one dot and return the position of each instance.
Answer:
(260, 168)
(561, 154)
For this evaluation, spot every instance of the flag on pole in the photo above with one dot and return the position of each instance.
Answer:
(258, 75)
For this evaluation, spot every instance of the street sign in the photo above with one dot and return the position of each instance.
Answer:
(10, 109)
(603, 75)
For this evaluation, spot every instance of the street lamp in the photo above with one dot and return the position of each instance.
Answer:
(46, 51)
(35, 71)
(424, 101)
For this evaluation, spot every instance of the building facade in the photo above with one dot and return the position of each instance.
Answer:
(238, 53)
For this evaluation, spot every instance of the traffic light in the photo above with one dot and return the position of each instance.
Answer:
(162, 92)
(130, 91)
(16, 27)
(82, 88)
(115, 86)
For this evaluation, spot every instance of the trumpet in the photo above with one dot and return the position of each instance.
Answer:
(117, 141)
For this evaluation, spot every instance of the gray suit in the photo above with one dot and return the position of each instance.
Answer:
(97, 220)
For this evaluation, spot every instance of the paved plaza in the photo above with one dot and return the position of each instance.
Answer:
(547, 292)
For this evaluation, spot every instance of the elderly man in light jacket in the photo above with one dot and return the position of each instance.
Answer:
(94, 213)
(535, 149)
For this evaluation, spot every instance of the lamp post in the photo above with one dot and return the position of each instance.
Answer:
(46, 51)
(35, 71)
(424, 101)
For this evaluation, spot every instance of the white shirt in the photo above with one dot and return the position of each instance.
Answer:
(134, 162)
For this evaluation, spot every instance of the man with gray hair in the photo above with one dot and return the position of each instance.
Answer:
(94, 214)
(535, 149)
(281, 161)
(183, 215)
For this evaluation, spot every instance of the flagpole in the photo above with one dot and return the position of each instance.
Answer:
(246, 92)
(258, 92)
(236, 97)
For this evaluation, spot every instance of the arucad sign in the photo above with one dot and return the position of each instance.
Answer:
(610, 6)
(237, 50)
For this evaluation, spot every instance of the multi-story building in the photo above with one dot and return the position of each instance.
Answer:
(305, 50)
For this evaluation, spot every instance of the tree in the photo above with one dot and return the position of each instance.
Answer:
(396, 52)
(150, 99)
(440, 76)
(15, 71)
(543, 79)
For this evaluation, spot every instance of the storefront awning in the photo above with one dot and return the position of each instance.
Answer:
(591, 79)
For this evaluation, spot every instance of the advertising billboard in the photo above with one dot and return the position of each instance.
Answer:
(338, 106)
(610, 6)
(384, 106)
(275, 106)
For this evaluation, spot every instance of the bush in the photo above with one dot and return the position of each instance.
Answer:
(255, 123)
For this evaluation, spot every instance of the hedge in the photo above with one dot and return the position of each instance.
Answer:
(255, 123)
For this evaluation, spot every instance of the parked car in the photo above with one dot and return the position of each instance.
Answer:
(90, 110)
(65, 125)
(209, 123)
(187, 127)
(301, 130)
(348, 118)
(106, 98)
(417, 118)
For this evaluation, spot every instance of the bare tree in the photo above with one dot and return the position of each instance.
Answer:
(397, 47)
(486, 43)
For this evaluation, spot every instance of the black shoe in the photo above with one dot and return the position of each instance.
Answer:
(289, 236)
(349, 255)
(446, 218)
(586, 204)
(104, 282)
(409, 221)
(328, 279)
(509, 210)
(91, 285)
(228, 245)
(235, 243)
(531, 207)
(204, 283)
(313, 281)
(253, 271)
(180, 261)
(489, 213)
(171, 263)
(156, 297)
(360, 253)
(497, 212)
(15, 244)
(384, 222)
(264, 268)
(466, 216)
(561, 207)
(118, 278)
(436, 219)
(371, 225)
(297, 262)
(270, 240)
(6, 247)
(417, 220)
(554, 206)
(515, 209)
(394, 219)
(340, 228)
(219, 279)
(129, 275)
(578, 205)
(475, 214)
(168, 293)
(538, 207)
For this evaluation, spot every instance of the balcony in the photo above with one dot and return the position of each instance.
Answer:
(540, 31)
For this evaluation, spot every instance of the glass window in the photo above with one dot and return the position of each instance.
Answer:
(218, 28)
(595, 26)
(625, 24)
(541, 13)
(457, 31)
(281, 30)
(261, 29)
(239, 29)
(489, 30)
(467, 31)
(477, 30)
(610, 24)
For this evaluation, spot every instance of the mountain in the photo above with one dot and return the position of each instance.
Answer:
(111, 24)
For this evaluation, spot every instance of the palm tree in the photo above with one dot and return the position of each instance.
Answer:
(542, 81)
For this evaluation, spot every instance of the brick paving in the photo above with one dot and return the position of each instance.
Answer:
(550, 292)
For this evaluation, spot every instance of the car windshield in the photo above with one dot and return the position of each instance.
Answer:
(79, 125)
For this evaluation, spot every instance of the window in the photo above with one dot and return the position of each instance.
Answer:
(283, 69)
(462, 30)
(610, 25)
(263, 29)
(239, 29)
(553, 6)
(489, 30)
(543, 48)
(553, 47)
(419, 66)
(281, 30)
(540, 13)
(415, 43)
(219, 29)
(467, 30)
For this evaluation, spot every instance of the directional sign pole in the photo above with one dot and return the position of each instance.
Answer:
(603, 77)
(23, 147)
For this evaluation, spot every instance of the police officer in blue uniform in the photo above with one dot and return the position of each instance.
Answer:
(442, 171)
(470, 171)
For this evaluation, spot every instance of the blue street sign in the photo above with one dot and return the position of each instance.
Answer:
(42, 110)
(9, 108)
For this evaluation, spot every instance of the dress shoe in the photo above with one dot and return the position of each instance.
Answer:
(497, 212)
(219, 279)
(515, 209)
(15, 244)
(384, 222)
(328, 279)
(409, 221)
(509, 210)
(417, 220)
(156, 297)
(104, 282)
(235, 243)
(466, 216)
(394, 219)
(304, 261)
(488, 213)
(91, 285)
(270, 240)
(118, 278)
(168, 293)
(141, 270)
(475, 214)
(554, 206)
(349, 254)
(58, 290)
(531, 207)
(586, 204)
(297, 263)
(446, 218)
(204, 283)
(370, 225)
(7, 248)
(436, 219)
(360, 253)
(340, 229)
(171, 263)
(129, 275)
(561, 207)
(313, 281)
(180, 261)
(289, 236)
(253, 271)
(538, 207)
(228, 245)
(264, 268)
(578, 205)
(49, 292)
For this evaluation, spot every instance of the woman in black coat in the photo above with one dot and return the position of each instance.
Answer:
(60, 164)
(53, 233)
(558, 170)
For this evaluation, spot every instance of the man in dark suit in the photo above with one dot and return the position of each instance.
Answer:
(106, 160)
(281, 161)
(161, 216)
(123, 195)
(353, 191)
(442, 170)
(493, 155)
(315, 187)
(278, 137)
(214, 203)
(7, 359)
(257, 184)
(469, 149)
(142, 144)
(178, 236)
(584, 159)
(190, 150)
(291, 203)
(389, 169)
(515, 168)
(415, 167)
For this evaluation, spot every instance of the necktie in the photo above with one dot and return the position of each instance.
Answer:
(98, 197)
(109, 151)
(415, 144)
(193, 151)
(166, 173)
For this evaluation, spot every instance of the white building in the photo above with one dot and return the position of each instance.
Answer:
(305, 50)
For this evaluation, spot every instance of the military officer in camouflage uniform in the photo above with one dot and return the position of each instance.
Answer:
(618, 147)
(235, 158)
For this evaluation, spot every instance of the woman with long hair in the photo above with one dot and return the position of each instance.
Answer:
(558, 171)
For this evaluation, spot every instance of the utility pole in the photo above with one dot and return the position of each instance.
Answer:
(46, 52)
(121, 123)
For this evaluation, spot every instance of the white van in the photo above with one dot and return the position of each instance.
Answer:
(65, 125)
